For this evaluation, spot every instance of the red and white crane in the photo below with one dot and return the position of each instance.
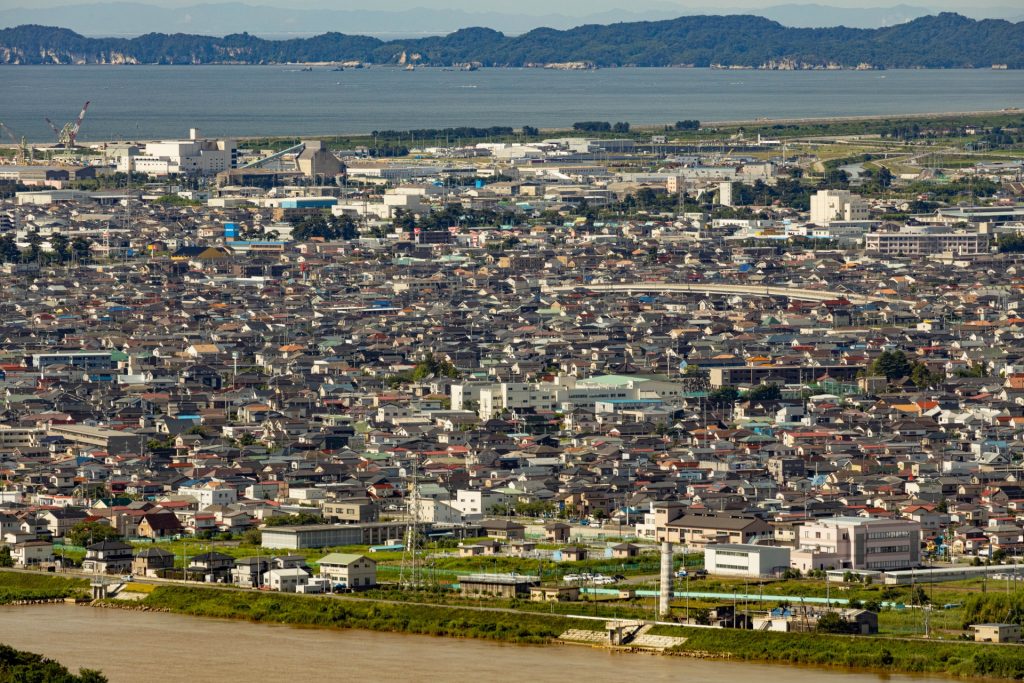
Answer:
(68, 135)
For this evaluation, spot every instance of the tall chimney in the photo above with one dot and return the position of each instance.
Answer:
(665, 595)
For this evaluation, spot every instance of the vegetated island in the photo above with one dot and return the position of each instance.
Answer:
(946, 40)
(962, 659)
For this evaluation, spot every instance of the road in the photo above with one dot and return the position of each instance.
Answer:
(717, 288)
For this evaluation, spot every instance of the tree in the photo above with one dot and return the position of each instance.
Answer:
(81, 249)
(347, 228)
(1012, 243)
(892, 364)
(298, 519)
(530, 131)
(621, 127)
(833, 622)
(34, 241)
(60, 243)
(883, 177)
(922, 377)
(27, 667)
(314, 226)
(436, 367)
(688, 124)
(765, 392)
(9, 252)
(592, 126)
(87, 533)
(5, 557)
(723, 396)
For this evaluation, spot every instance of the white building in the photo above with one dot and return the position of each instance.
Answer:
(474, 505)
(286, 580)
(207, 496)
(857, 543)
(349, 570)
(922, 241)
(513, 395)
(432, 511)
(193, 156)
(744, 559)
(564, 394)
(837, 205)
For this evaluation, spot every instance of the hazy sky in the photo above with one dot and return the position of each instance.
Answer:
(540, 7)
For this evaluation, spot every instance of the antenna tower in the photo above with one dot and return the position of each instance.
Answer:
(409, 575)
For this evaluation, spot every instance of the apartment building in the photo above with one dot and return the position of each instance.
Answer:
(922, 241)
(837, 205)
(858, 543)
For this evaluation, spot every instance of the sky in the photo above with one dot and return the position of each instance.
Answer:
(541, 7)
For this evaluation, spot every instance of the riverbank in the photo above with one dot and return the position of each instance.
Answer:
(914, 656)
(130, 646)
(960, 659)
(20, 588)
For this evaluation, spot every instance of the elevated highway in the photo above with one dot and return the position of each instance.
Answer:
(797, 293)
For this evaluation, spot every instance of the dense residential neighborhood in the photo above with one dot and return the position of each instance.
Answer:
(534, 357)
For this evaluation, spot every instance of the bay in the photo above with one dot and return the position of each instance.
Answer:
(147, 102)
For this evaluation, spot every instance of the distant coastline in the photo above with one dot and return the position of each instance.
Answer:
(729, 42)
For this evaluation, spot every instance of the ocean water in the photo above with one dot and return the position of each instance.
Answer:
(147, 102)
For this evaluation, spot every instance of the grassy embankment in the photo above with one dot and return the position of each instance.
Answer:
(15, 586)
(967, 660)
(327, 612)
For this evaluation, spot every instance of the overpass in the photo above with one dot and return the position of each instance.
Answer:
(797, 293)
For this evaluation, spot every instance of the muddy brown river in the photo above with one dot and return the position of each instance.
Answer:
(169, 648)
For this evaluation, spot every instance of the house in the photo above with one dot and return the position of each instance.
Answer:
(556, 532)
(152, 561)
(286, 580)
(60, 521)
(349, 570)
(211, 566)
(554, 593)
(497, 585)
(503, 529)
(160, 525)
(248, 571)
(351, 510)
(699, 530)
(32, 553)
(573, 553)
(997, 633)
(624, 551)
(108, 557)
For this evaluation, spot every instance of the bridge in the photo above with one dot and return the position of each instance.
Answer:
(797, 293)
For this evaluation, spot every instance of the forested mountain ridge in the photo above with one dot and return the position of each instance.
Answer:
(942, 41)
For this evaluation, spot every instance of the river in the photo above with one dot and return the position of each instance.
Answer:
(146, 102)
(169, 648)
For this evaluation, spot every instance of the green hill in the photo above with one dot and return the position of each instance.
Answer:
(943, 41)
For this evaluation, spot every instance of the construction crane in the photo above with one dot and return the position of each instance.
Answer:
(68, 135)
(23, 153)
